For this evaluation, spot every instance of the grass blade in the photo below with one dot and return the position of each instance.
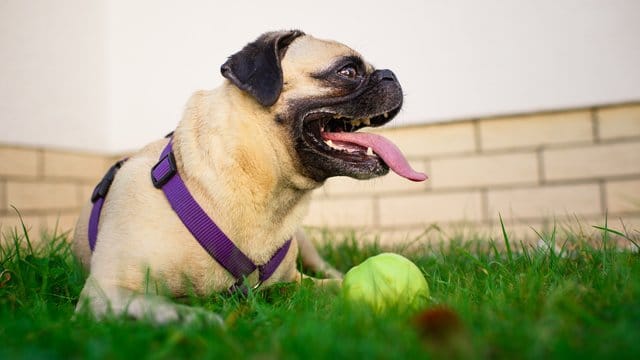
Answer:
(506, 239)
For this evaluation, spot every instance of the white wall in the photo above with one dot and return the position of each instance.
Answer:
(455, 59)
(53, 74)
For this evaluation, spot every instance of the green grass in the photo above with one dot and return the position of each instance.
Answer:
(512, 304)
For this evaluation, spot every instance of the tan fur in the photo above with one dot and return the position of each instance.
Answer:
(239, 166)
(303, 57)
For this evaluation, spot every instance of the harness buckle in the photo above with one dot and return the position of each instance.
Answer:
(164, 170)
(101, 190)
(240, 287)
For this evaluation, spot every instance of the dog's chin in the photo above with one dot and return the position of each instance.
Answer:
(328, 146)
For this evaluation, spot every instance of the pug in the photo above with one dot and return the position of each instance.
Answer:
(249, 152)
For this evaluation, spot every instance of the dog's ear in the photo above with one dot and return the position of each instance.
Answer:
(256, 68)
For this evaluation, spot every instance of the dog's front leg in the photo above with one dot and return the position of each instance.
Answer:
(101, 300)
(300, 277)
(311, 259)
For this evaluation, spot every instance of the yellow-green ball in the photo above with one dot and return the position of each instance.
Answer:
(387, 281)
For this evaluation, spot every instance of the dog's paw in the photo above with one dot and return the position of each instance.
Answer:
(332, 273)
(161, 312)
(198, 316)
(152, 309)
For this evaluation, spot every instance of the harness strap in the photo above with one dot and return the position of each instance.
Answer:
(97, 198)
(165, 176)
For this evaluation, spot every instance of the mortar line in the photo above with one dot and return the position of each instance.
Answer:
(44, 212)
(5, 196)
(540, 164)
(51, 180)
(595, 125)
(477, 136)
(79, 190)
(500, 187)
(40, 164)
(545, 221)
(426, 163)
(603, 197)
(484, 204)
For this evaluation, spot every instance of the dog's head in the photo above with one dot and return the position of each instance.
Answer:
(323, 92)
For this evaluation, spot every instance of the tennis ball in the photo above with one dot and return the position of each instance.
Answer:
(387, 281)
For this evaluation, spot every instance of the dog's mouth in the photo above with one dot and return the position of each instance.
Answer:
(363, 155)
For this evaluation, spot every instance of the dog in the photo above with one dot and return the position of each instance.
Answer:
(249, 152)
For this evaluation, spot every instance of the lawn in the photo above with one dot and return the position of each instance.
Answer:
(486, 303)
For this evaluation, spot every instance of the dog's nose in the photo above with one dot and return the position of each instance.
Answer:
(384, 74)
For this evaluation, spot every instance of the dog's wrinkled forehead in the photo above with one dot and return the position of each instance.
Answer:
(308, 55)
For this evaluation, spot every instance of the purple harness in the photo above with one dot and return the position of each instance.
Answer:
(165, 176)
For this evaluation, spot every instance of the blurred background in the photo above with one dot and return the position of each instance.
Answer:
(527, 109)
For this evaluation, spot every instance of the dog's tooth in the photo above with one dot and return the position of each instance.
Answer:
(386, 115)
(369, 151)
(329, 142)
(356, 122)
(366, 121)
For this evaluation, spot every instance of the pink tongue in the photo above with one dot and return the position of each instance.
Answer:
(384, 148)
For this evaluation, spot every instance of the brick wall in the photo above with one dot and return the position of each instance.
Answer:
(566, 167)
(48, 187)
(532, 169)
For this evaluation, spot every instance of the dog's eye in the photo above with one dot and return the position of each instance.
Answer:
(348, 71)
